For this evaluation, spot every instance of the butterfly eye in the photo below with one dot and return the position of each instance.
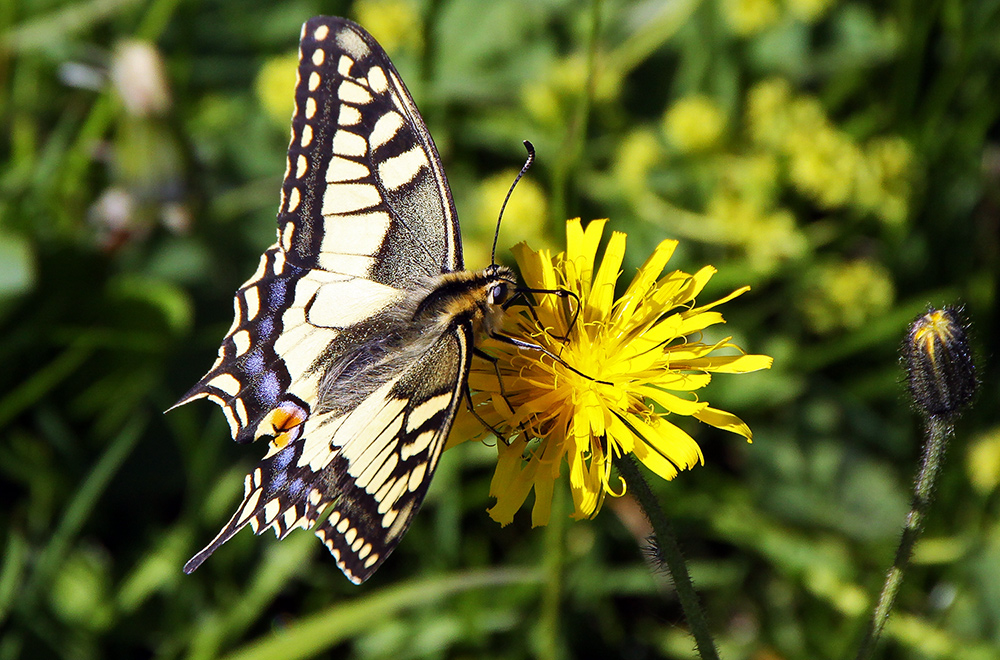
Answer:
(498, 294)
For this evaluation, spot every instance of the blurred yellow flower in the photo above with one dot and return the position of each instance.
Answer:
(635, 157)
(275, 87)
(542, 101)
(733, 214)
(982, 461)
(694, 123)
(754, 177)
(767, 112)
(624, 367)
(767, 237)
(808, 11)
(747, 17)
(776, 238)
(846, 295)
(525, 215)
(825, 163)
(396, 24)
(890, 161)
(552, 96)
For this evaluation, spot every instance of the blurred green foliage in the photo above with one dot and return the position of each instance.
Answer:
(842, 157)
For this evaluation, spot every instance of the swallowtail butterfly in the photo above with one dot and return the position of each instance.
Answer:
(352, 341)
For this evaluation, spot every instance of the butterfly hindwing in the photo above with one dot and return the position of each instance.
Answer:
(370, 466)
(380, 495)
(323, 359)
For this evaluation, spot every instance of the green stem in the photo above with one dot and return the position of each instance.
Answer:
(550, 646)
(938, 430)
(669, 552)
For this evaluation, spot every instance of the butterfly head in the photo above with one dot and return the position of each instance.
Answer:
(500, 281)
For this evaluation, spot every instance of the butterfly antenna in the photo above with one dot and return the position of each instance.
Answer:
(524, 168)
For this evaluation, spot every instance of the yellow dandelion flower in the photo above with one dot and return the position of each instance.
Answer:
(624, 368)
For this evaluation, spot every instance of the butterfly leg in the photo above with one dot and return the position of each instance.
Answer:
(528, 346)
(563, 293)
(472, 409)
(503, 394)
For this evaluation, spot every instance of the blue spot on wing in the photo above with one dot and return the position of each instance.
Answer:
(270, 388)
(254, 362)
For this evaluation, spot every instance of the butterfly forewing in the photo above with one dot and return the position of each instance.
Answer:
(322, 359)
(364, 189)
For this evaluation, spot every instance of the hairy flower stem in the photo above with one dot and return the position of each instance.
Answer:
(669, 553)
(938, 430)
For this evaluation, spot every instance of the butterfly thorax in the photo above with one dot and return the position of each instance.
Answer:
(367, 355)
(467, 297)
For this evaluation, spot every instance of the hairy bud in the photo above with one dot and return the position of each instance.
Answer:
(939, 365)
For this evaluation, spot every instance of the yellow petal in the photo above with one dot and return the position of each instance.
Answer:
(680, 381)
(721, 419)
(574, 238)
(694, 285)
(466, 427)
(535, 406)
(644, 279)
(620, 434)
(730, 364)
(586, 488)
(734, 294)
(536, 268)
(655, 462)
(662, 332)
(671, 402)
(510, 485)
(698, 322)
(509, 466)
(663, 447)
(581, 252)
(602, 292)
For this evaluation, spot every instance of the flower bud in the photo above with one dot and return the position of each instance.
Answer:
(939, 363)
